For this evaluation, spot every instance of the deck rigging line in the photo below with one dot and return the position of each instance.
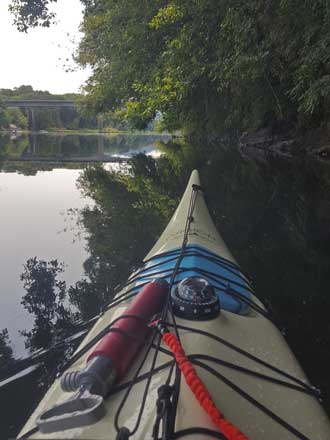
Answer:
(123, 432)
(167, 416)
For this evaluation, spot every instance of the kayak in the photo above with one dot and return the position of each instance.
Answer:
(185, 349)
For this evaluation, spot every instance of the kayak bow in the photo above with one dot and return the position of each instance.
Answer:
(223, 331)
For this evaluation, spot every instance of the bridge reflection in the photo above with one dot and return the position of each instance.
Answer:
(96, 154)
(79, 148)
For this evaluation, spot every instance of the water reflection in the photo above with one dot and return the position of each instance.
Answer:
(45, 300)
(75, 147)
(6, 352)
(274, 216)
(34, 223)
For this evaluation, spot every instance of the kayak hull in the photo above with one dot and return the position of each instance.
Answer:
(248, 330)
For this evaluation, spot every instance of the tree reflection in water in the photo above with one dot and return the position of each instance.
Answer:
(273, 214)
(128, 213)
(6, 352)
(44, 298)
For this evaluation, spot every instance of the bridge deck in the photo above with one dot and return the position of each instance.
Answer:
(39, 103)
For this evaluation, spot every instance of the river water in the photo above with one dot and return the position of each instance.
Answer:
(71, 231)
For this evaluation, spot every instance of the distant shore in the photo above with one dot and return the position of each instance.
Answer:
(85, 132)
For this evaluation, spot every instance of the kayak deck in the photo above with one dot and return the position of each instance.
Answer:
(223, 274)
(227, 345)
(205, 255)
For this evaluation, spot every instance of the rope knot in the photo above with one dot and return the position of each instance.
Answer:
(165, 391)
(163, 402)
(163, 405)
(123, 434)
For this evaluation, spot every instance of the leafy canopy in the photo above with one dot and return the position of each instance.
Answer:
(31, 13)
(205, 65)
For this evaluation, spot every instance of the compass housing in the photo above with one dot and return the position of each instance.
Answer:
(194, 298)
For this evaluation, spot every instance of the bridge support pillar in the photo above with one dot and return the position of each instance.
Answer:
(100, 123)
(32, 119)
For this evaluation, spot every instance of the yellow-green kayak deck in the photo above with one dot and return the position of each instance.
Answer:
(247, 330)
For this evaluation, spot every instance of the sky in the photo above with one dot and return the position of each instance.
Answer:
(39, 58)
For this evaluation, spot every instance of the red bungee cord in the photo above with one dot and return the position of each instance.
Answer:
(198, 388)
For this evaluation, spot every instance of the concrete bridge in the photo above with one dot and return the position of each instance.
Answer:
(39, 103)
(31, 104)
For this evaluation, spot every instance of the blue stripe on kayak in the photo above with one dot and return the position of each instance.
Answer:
(193, 264)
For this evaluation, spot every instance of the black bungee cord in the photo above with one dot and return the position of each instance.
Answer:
(123, 432)
(197, 359)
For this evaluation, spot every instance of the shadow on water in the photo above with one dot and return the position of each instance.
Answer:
(274, 216)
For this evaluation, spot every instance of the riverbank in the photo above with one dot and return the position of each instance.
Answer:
(286, 144)
(94, 132)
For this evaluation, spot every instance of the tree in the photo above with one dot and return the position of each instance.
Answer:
(31, 13)
(206, 65)
(4, 117)
(11, 116)
(24, 90)
(44, 298)
(18, 118)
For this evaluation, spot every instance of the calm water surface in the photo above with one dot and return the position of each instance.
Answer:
(274, 215)
(34, 222)
(38, 198)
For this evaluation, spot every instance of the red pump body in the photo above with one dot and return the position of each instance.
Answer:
(120, 348)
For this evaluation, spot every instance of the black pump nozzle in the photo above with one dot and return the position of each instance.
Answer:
(98, 376)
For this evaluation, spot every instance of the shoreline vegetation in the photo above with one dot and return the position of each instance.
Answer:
(86, 132)
(209, 69)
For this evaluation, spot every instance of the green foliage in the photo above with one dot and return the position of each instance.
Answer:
(4, 118)
(11, 116)
(18, 118)
(206, 65)
(170, 14)
(31, 13)
(27, 92)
